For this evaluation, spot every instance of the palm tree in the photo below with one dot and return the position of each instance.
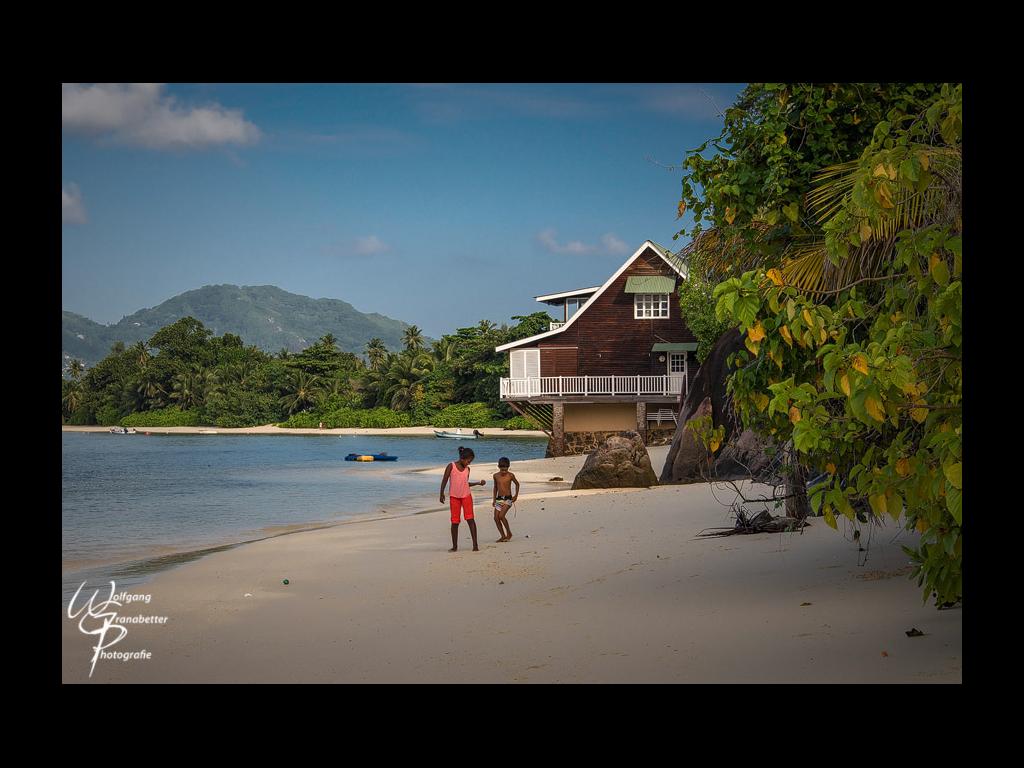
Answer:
(75, 369)
(140, 352)
(71, 398)
(444, 350)
(376, 353)
(283, 354)
(402, 376)
(189, 388)
(413, 338)
(149, 387)
(303, 391)
(329, 340)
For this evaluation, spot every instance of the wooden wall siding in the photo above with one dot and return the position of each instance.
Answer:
(609, 340)
(558, 361)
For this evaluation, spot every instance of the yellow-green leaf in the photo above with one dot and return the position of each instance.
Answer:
(954, 474)
(878, 505)
(756, 332)
(775, 276)
(919, 414)
(860, 363)
(794, 414)
(903, 467)
(874, 407)
(786, 336)
(844, 384)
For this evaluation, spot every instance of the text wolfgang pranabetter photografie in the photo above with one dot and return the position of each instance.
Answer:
(98, 616)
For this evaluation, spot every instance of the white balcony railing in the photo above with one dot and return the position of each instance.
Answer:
(554, 325)
(561, 386)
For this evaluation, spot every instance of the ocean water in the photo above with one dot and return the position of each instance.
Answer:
(132, 505)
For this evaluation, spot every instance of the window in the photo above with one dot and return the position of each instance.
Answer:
(572, 305)
(650, 305)
(524, 364)
(677, 362)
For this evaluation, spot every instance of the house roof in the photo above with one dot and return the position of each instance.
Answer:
(650, 284)
(671, 259)
(567, 294)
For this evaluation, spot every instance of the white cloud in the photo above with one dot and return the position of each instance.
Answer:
(72, 209)
(143, 115)
(548, 240)
(610, 244)
(370, 245)
(613, 244)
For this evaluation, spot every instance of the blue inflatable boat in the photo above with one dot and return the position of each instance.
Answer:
(370, 457)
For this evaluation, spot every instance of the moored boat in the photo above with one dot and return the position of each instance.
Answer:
(458, 434)
(383, 456)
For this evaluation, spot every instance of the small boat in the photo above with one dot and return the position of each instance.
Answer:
(122, 430)
(458, 434)
(370, 457)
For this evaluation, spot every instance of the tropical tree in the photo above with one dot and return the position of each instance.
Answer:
(71, 396)
(413, 338)
(849, 297)
(444, 350)
(329, 340)
(403, 374)
(303, 392)
(376, 353)
(76, 369)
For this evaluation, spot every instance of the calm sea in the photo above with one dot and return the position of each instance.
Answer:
(132, 505)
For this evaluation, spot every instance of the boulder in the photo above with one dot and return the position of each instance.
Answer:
(746, 455)
(620, 461)
(690, 460)
(710, 383)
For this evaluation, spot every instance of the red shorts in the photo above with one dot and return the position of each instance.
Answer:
(465, 505)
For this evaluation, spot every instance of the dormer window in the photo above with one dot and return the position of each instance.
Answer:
(650, 305)
(572, 305)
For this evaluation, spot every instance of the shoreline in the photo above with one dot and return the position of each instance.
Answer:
(606, 585)
(147, 565)
(273, 429)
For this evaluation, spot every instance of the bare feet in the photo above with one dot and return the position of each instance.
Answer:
(498, 541)
(454, 549)
(476, 549)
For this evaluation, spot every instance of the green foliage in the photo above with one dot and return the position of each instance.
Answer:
(867, 380)
(108, 416)
(776, 138)
(375, 418)
(698, 311)
(520, 422)
(164, 417)
(470, 415)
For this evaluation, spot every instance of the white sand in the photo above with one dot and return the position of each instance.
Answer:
(599, 586)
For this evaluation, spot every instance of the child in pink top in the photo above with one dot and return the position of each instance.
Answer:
(461, 497)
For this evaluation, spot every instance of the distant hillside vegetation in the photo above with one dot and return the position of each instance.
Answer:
(263, 315)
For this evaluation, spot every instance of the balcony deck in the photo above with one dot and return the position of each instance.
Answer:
(594, 388)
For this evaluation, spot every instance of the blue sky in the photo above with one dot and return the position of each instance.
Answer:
(439, 204)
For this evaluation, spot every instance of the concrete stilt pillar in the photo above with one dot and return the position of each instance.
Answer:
(641, 421)
(558, 428)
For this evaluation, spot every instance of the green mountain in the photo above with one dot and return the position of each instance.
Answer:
(263, 315)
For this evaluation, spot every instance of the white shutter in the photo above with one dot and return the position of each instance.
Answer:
(531, 359)
(516, 365)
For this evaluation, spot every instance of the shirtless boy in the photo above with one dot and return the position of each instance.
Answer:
(503, 498)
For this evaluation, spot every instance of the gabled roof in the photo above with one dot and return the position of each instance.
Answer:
(671, 259)
(567, 294)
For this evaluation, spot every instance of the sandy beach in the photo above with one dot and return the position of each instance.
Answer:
(273, 429)
(596, 586)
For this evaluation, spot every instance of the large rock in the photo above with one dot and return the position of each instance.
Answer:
(690, 460)
(621, 461)
(746, 455)
(710, 383)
